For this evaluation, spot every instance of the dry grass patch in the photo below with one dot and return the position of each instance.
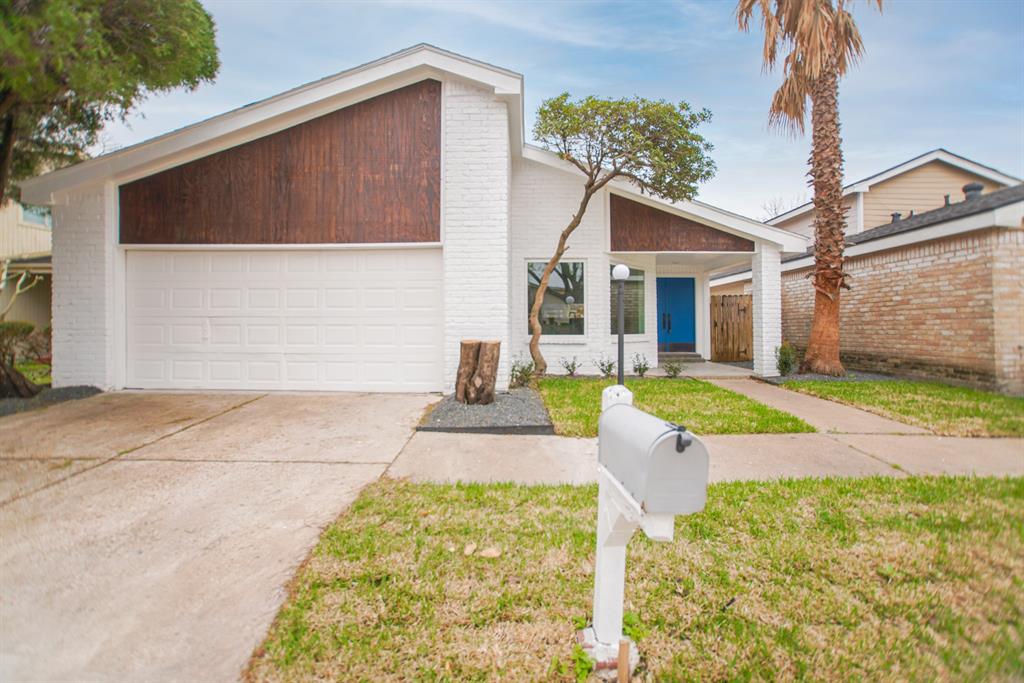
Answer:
(876, 579)
(946, 410)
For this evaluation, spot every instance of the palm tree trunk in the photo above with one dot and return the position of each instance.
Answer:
(829, 222)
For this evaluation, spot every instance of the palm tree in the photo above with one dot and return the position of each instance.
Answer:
(821, 42)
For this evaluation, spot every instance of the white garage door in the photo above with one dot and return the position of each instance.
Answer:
(340, 320)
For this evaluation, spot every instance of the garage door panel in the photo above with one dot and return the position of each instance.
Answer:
(331, 320)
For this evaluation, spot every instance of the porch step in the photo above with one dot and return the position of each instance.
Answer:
(679, 357)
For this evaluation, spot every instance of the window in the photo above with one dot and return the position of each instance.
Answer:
(37, 215)
(563, 307)
(632, 303)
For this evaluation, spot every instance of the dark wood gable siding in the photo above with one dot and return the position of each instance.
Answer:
(370, 172)
(639, 227)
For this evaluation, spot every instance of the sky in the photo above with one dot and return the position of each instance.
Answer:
(936, 73)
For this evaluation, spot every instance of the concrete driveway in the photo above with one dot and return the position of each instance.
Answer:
(149, 537)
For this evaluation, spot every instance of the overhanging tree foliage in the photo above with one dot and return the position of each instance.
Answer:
(822, 43)
(653, 144)
(69, 66)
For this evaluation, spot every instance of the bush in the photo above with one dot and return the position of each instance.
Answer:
(672, 368)
(570, 365)
(522, 372)
(785, 358)
(640, 364)
(606, 365)
(13, 335)
(38, 345)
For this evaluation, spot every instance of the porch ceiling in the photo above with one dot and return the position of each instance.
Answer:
(703, 261)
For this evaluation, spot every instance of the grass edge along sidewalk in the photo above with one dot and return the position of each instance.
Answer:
(879, 578)
(941, 408)
(574, 404)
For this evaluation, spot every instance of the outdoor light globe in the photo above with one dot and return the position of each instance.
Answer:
(620, 272)
(570, 300)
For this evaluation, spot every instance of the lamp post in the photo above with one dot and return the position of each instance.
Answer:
(620, 274)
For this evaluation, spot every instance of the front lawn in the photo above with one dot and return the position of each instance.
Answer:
(951, 411)
(575, 404)
(874, 579)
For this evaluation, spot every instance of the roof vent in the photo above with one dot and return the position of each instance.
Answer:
(972, 191)
(895, 217)
(946, 197)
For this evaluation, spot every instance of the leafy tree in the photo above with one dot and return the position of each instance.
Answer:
(67, 67)
(653, 144)
(821, 42)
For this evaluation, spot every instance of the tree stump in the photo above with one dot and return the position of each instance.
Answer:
(480, 389)
(468, 353)
(13, 384)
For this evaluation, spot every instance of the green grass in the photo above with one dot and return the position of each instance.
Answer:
(575, 405)
(913, 579)
(38, 373)
(952, 411)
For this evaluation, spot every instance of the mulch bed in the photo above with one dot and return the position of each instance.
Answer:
(519, 411)
(47, 397)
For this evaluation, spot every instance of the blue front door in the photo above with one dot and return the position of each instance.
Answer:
(677, 319)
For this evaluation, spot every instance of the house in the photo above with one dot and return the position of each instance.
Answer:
(25, 246)
(347, 234)
(937, 289)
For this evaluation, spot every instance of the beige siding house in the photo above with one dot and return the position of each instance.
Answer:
(937, 291)
(25, 239)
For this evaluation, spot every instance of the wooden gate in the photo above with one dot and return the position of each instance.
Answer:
(732, 327)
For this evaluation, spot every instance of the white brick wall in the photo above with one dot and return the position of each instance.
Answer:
(767, 299)
(475, 225)
(543, 201)
(83, 291)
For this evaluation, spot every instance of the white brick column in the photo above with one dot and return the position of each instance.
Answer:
(83, 290)
(475, 223)
(766, 269)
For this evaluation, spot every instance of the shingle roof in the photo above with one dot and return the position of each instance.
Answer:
(944, 214)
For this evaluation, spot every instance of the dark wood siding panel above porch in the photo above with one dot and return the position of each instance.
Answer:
(370, 172)
(639, 227)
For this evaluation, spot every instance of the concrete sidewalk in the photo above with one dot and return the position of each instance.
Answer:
(441, 457)
(823, 415)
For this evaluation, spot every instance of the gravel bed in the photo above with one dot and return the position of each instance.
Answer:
(47, 397)
(519, 411)
(850, 376)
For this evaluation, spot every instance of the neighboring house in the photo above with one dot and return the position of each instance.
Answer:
(347, 234)
(25, 246)
(939, 294)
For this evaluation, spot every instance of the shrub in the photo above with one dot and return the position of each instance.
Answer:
(640, 364)
(570, 365)
(13, 335)
(785, 358)
(606, 365)
(672, 368)
(522, 372)
(38, 345)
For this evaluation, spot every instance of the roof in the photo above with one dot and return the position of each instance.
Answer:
(946, 214)
(33, 263)
(283, 111)
(718, 218)
(940, 154)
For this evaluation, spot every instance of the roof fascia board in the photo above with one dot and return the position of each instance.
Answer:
(1009, 216)
(698, 211)
(274, 114)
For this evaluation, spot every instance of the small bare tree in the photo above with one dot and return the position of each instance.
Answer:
(21, 282)
(653, 144)
(12, 382)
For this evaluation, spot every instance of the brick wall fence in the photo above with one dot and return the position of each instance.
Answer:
(950, 309)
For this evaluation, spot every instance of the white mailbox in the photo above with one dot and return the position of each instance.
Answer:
(649, 470)
(661, 465)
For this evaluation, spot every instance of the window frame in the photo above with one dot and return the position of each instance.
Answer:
(548, 338)
(611, 303)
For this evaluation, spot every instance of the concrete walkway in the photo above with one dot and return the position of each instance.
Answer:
(440, 457)
(705, 370)
(823, 415)
(151, 537)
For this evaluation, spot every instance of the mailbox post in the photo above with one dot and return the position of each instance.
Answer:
(649, 471)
